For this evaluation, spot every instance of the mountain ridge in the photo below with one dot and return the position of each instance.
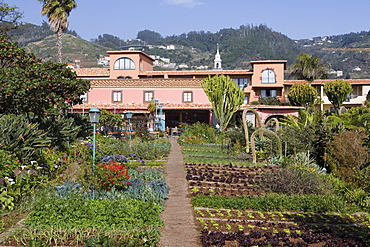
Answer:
(237, 47)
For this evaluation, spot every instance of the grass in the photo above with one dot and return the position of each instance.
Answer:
(213, 154)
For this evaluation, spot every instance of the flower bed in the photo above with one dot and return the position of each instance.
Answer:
(111, 213)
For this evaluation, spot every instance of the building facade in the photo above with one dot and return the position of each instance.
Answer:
(131, 84)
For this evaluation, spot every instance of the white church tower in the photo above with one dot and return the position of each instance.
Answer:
(218, 61)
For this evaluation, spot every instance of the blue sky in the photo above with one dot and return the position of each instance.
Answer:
(298, 19)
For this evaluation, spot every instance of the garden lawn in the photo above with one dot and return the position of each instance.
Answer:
(213, 154)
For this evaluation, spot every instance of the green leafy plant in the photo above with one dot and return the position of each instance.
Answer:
(21, 138)
(61, 130)
(346, 154)
(198, 133)
(276, 202)
(8, 164)
(295, 180)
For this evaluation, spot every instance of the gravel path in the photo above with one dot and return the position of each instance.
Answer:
(179, 228)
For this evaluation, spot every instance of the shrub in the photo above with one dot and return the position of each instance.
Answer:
(346, 154)
(198, 133)
(351, 194)
(8, 164)
(112, 174)
(296, 139)
(267, 101)
(151, 150)
(295, 180)
(237, 138)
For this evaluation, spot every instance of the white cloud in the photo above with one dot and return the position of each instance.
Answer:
(186, 3)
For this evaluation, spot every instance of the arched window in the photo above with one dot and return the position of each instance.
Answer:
(124, 63)
(268, 76)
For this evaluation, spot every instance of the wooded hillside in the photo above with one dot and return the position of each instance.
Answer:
(237, 47)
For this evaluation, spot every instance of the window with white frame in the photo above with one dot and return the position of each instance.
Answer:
(148, 96)
(116, 96)
(187, 96)
(124, 63)
(246, 100)
(268, 76)
(356, 91)
(268, 93)
(241, 82)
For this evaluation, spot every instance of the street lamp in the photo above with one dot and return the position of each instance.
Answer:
(94, 114)
(156, 114)
(161, 120)
(129, 116)
(114, 111)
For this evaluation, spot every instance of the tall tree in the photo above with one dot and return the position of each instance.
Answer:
(225, 96)
(309, 68)
(148, 36)
(57, 12)
(302, 94)
(337, 92)
(34, 88)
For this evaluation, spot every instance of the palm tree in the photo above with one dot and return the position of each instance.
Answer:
(57, 12)
(309, 68)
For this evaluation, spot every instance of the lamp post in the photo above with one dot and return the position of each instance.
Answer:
(161, 120)
(94, 114)
(114, 111)
(129, 116)
(156, 114)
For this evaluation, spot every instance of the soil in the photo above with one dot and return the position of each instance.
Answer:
(179, 228)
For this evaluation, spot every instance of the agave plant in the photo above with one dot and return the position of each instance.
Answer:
(21, 138)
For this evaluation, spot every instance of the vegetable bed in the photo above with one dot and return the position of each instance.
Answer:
(305, 220)
(226, 180)
(225, 227)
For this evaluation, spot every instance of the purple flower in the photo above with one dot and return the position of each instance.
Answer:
(133, 155)
(89, 145)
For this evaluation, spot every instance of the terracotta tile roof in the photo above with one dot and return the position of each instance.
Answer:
(196, 72)
(92, 71)
(279, 107)
(269, 85)
(321, 82)
(143, 108)
(145, 83)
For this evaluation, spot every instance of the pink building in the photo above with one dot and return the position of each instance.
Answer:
(130, 83)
